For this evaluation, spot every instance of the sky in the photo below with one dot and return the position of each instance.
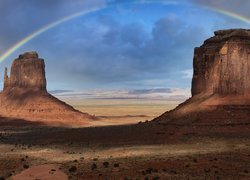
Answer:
(129, 48)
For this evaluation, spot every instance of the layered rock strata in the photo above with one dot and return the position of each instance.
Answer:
(25, 95)
(221, 82)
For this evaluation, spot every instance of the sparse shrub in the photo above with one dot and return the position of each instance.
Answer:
(173, 171)
(149, 170)
(72, 169)
(206, 170)
(25, 166)
(105, 164)
(156, 178)
(94, 166)
(155, 170)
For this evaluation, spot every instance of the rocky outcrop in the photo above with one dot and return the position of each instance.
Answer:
(221, 82)
(25, 95)
(222, 64)
(27, 71)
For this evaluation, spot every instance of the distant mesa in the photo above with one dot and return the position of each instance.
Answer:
(25, 95)
(221, 82)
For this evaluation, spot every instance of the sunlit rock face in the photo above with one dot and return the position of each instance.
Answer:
(220, 84)
(222, 64)
(25, 96)
(27, 71)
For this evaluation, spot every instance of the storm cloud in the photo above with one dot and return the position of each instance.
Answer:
(122, 46)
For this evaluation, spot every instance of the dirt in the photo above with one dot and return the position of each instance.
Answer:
(140, 151)
(45, 172)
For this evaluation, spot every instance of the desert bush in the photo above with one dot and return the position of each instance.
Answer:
(72, 169)
(25, 166)
(93, 166)
(105, 164)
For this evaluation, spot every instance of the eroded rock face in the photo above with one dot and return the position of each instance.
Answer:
(222, 64)
(220, 84)
(25, 96)
(27, 71)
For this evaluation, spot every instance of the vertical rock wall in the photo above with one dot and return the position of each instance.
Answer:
(27, 71)
(222, 64)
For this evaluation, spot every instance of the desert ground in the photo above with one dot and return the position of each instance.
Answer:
(134, 150)
(121, 111)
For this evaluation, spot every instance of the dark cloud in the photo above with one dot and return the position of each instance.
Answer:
(104, 49)
(107, 51)
(21, 17)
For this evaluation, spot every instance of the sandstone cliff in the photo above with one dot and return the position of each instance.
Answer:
(25, 95)
(222, 64)
(221, 82)
(27, 71)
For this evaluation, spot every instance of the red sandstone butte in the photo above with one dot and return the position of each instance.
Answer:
(221, 82)
(25, 96)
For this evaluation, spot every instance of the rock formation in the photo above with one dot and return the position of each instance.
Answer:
(25, 95)
(221, 81)
(27, 72)
(222, 64)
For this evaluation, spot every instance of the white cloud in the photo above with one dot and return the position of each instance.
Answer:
(171, 94)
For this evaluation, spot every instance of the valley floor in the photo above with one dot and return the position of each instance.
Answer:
(142, 151)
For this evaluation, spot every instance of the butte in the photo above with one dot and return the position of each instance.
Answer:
(25, 96)
(220, 84)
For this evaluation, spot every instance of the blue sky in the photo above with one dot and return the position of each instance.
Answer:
(132, 45)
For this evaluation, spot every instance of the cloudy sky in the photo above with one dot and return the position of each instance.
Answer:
(141, 47)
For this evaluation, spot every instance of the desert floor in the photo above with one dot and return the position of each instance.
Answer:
(122, 152)
(122, 111)
(133, 151)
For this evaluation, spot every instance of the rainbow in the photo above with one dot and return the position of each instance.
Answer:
(81, 13)
(230, 14)
(42, 30)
